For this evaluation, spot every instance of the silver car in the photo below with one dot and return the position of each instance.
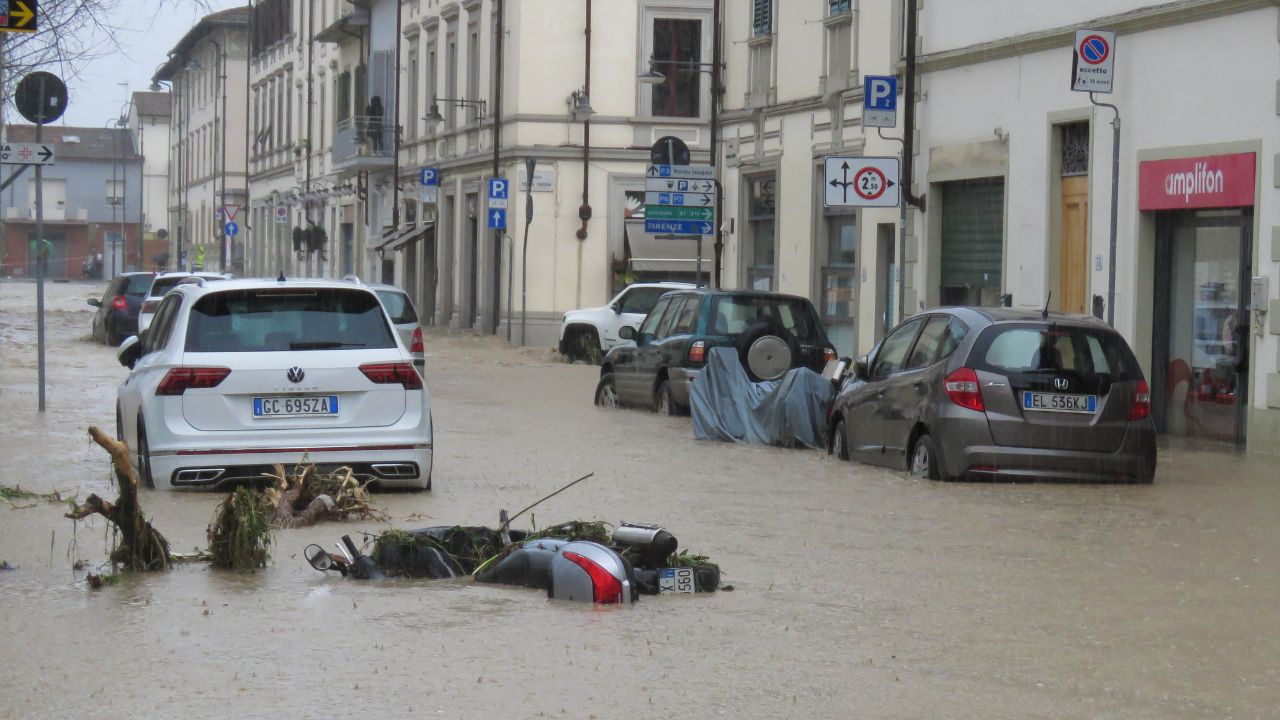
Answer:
(400, 308)
(999, 394)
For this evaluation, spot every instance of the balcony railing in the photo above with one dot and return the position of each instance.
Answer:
(364, 142)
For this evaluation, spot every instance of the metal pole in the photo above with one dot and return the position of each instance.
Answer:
(497, 168)
(1115, 208)
(697, 275)
(718, 247)
(530, 164)
(40, 246)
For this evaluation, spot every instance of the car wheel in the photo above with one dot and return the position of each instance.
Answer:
(607, 392)
(663, 403)
(924, 459)
(767, 351)
(144, 457)
(840, 441)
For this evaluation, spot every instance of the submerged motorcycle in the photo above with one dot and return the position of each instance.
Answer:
(572, 561)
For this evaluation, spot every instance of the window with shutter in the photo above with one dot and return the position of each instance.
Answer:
(762, 18)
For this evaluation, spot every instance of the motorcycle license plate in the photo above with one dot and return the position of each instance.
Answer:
(676, 581)
(1055, 402)
(295, 406)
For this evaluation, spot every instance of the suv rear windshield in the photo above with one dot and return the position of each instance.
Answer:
(733, 314)
(287, 319)
(166, 283)
(1051, 349)
(138, 285)
(398, 306)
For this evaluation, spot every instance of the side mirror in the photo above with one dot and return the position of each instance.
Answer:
(94, 302)
(617, 308)
(862, 367)
(318, 557)
(129, 351)
(626, 332)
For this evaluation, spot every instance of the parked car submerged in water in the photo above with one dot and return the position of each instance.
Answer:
(117, 315)
(771, 332)
(995, 393)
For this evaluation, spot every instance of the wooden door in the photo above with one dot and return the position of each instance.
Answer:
(1073, 266)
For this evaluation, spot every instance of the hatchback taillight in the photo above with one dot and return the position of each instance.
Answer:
(606, 589)
(962, 388)
(392, 373)
(1140, 408)
(119, 303)
(181, 379)
(416, 345)
(698, 351)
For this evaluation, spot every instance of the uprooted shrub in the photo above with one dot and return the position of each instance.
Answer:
(240, 534)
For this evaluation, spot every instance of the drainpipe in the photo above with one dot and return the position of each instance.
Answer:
(248, 78)
(497, 157)
(715, 145)
(908, 151)
(395, 130)
(584, 211)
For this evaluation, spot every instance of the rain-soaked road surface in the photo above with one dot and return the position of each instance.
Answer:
(859, 593)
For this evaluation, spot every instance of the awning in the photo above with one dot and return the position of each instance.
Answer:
(654, 253)
(397, 238)
(414, 235)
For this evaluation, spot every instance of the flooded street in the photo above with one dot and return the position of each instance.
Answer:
(858, 592)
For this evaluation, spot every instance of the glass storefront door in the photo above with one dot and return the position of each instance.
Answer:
(1201, 339)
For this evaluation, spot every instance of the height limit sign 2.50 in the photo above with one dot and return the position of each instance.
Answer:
(861, 182)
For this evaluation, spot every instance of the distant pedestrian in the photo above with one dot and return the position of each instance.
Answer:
(374, 113)
(199, 257)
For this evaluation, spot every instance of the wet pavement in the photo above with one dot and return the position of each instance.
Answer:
(859, 592)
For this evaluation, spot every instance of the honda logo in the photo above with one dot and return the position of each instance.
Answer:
(1059, 383)
(296, 374)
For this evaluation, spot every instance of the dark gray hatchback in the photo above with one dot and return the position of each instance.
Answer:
(994, 393)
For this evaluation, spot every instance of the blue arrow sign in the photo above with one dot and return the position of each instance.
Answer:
(497, 218)
(429, 177)
(678, 227)
(231, 229)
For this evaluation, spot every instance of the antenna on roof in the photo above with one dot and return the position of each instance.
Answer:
(1044, 314)
(281, 278)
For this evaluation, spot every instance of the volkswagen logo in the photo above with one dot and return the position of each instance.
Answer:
(296, 374)
(1059, 383)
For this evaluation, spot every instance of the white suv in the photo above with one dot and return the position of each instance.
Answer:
(581, 331)
(236, 376)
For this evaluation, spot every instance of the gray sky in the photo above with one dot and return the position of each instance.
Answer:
(96, 97)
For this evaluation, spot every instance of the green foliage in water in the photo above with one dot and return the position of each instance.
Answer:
(240, 534)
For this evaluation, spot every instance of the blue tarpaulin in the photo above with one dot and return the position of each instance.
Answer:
(726, 405)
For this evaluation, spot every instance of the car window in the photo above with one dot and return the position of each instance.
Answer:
(940, 338)
(688, 315)
(138, 285)
(640, 301)
(284, 319)
(733, 314)
(163, 285)
(893, 352)
(667, 328)
(398, 306)
(157, 335)
(1053, 348)
(650, 324)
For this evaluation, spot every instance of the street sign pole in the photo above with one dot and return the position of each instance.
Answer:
(1093, 71)
(524, 253)
(39, 260)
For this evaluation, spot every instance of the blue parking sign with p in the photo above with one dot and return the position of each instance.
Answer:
(429, 177)
(880, 92)
(498, 188)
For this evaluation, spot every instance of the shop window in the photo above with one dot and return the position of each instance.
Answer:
(839, 277)
(972, 241)
(761, 231)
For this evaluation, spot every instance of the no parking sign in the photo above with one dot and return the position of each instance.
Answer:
(1093, 61)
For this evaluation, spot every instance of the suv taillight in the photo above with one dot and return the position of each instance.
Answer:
(606, 589)
(391, 373)
(119, 303)
(416, 345)
(180, 379)
(962, 388)
(1140, 409)
(828, 355)
(698, 351)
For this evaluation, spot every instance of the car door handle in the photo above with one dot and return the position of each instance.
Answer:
(880, 393)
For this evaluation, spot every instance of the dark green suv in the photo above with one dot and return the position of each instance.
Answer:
(771, 332)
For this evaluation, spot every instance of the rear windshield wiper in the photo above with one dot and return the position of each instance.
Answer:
(328, 345)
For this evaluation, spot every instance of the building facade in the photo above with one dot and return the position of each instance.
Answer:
(794, 93)
(1017, 170)
(150, 119)
(207, 71)
(92, 214)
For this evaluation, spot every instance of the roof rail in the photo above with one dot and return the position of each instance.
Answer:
(192, 280)
(352, 278)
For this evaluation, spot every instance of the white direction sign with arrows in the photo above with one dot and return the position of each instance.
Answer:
(862, 182)
(680, 200)
(26, 154)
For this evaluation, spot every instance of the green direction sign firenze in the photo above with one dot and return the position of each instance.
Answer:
(668, 212)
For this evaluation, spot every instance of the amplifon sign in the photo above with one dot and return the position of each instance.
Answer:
(1211, 181)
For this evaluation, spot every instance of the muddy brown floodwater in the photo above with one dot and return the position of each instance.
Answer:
(859, 592)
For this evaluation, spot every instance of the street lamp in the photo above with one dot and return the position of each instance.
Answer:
(581, 104)
(433, 113)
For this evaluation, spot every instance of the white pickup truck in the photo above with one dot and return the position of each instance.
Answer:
(588, 334)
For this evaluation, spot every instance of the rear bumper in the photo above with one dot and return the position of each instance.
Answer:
(407, 465)
(986, 461)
